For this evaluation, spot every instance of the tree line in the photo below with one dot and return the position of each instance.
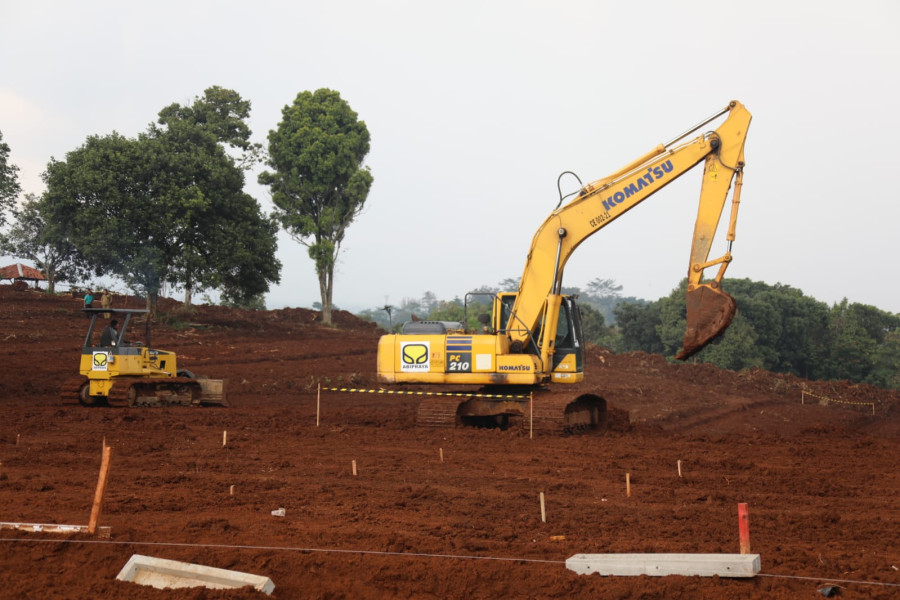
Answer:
(169, 206)
(777, 328)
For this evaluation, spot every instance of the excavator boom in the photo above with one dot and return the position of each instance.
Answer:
(601, 202)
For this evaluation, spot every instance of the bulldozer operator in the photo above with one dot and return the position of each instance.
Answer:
(110, 335)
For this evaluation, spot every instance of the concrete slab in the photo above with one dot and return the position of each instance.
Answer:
(170, 574)
(103, 532)
(704, 565)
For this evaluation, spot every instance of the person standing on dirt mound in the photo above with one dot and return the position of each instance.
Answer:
(88, 301)
(106, 302)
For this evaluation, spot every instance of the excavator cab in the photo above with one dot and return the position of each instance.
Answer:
(568, 343)
(568, 348)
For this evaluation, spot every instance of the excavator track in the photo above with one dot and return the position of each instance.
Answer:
(438, 411)
(552, 413)
(561, 414)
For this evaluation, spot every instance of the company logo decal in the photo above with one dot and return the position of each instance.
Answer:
(100, 361)
(414, 356)
(511, 368)
(654, 173)
(459, 354)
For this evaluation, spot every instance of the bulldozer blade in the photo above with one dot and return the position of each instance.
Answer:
(213, 392)
(709, 313)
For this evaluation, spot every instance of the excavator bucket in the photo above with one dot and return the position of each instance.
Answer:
(709, 313)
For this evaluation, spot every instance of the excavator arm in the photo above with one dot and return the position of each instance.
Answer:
(709, 309)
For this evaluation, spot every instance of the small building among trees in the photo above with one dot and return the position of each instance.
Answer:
(20, 274)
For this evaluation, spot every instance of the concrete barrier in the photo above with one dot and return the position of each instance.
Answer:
(703, 565)
(170, 574)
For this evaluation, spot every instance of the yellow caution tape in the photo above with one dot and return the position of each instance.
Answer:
(829, 400)
(412, 393)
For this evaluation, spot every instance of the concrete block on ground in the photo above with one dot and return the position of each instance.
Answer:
(162, 574)
(703, 565)
(103, 532)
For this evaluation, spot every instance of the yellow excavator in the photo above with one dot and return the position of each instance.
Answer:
(116, 372)
(533, 336)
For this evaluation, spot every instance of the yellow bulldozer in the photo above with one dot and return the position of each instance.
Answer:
(118, 372)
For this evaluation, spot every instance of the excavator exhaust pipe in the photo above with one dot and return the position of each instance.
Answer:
(709, 313)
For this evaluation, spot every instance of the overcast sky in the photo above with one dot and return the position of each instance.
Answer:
(475, 107)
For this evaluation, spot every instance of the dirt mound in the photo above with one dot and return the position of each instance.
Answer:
(431, 513)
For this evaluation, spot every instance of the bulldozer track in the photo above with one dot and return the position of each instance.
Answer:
(145, 391)
(70, 391)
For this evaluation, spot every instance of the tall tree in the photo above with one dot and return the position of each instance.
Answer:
(167, 206)
(604, 295)
(9, 182)
(196, 133)
(32, 237)
(604, 288)
(510, 284)
(318, 183)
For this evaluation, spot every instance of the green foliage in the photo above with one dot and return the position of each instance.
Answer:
(605, 295)
(448, 310)
(779, 329)
(168, 205)
(885, 369)
(222, 113)
(466, 312)
(392, 318)
(9, 182)
(790, 326)
(604, 288)
(595, 329)
(318, 182)
(257, 302)
(738, 349)
(34, 238)
(862, 338)
(510, 284)
(429, 308)
(638, 325)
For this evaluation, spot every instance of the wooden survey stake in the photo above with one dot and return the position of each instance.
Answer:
(101, 488)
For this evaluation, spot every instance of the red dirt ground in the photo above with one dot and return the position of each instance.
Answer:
(821, 481)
